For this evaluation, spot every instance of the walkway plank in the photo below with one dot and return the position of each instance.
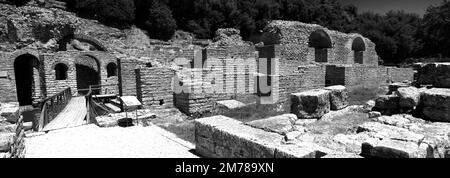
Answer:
(72, 116)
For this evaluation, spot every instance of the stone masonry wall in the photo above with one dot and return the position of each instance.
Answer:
(68, 58)
(8, 80)
(155, 86)
(292, 42)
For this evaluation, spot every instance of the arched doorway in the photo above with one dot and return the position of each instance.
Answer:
(23, 71)
(320, 41)
(358, 48)
(88, 74)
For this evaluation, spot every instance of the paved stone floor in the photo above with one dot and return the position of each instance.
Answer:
(91, 141)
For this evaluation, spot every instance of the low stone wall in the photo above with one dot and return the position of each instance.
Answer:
(223, 137)
(436, 74)
(12, 140)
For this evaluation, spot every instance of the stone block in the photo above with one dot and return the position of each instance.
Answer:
(395, 86)
(6, 139)
(310, 104)
(387, 102)
(300, 150)
(382, 131)
(11, 113)
(374, 114)
(279, 124)
(409, 97)
(233, 139)
(338, 97)
(388, 148)
(342, 155)
(435, 104)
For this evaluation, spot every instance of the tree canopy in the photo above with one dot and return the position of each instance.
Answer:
(397, 34)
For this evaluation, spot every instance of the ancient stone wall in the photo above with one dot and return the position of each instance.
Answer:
(155, 86)
(226, 73)
(69, 58)
(8, 79)
(8, 87)
(295, 41)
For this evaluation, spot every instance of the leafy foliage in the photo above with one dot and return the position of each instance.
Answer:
(398, 35)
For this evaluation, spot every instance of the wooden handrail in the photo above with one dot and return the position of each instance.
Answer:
(52, 106)
(90, 117)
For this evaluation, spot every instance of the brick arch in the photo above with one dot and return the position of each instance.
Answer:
(19, 53)
(358, 48)
(88, 72)
(358, 44)
(61, 62)
(98, 64)
(321, 41)
(319, 38)
(83, 38)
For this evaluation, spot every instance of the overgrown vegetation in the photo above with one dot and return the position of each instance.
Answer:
(398, 35)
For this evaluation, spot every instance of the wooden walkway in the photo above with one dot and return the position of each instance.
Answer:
(72, 116)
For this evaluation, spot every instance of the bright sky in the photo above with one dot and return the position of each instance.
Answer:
(383, 6)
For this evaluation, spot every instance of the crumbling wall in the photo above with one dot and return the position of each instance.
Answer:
(155, 85)
(292, 40)
(68, 58)
(227, 73)
(8, 86)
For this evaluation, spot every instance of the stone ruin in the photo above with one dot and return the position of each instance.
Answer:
(44, 49)
(408, 122)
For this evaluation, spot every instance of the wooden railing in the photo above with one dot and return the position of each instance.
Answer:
(52, 106)
(90, 111)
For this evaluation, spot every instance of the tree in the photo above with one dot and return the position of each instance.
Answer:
(160, 22)
(119, 13)
(436, 30)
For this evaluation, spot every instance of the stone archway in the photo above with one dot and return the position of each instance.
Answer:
(88, 74)
(24, 76)
(320, 41)
(358, 47)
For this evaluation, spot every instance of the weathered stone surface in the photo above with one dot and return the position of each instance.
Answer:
(305, 122)
(301, 150)
(351, 143)
(388, 148)
(382, 131)
(5, 141)
(338, 97)
(342, 155)
(387, 102)
(435, 104)
(229, 37)
(395, 86)
(436, 74)
(9, 128)
(395, 120)
(409, 97)
(11, 113)
(230, 104)
(291, 136)
(310, 104)
(374, 114)
(278, 124)
(220, 136)
(369, 105)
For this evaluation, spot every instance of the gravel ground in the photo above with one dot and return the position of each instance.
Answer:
(93, 142)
